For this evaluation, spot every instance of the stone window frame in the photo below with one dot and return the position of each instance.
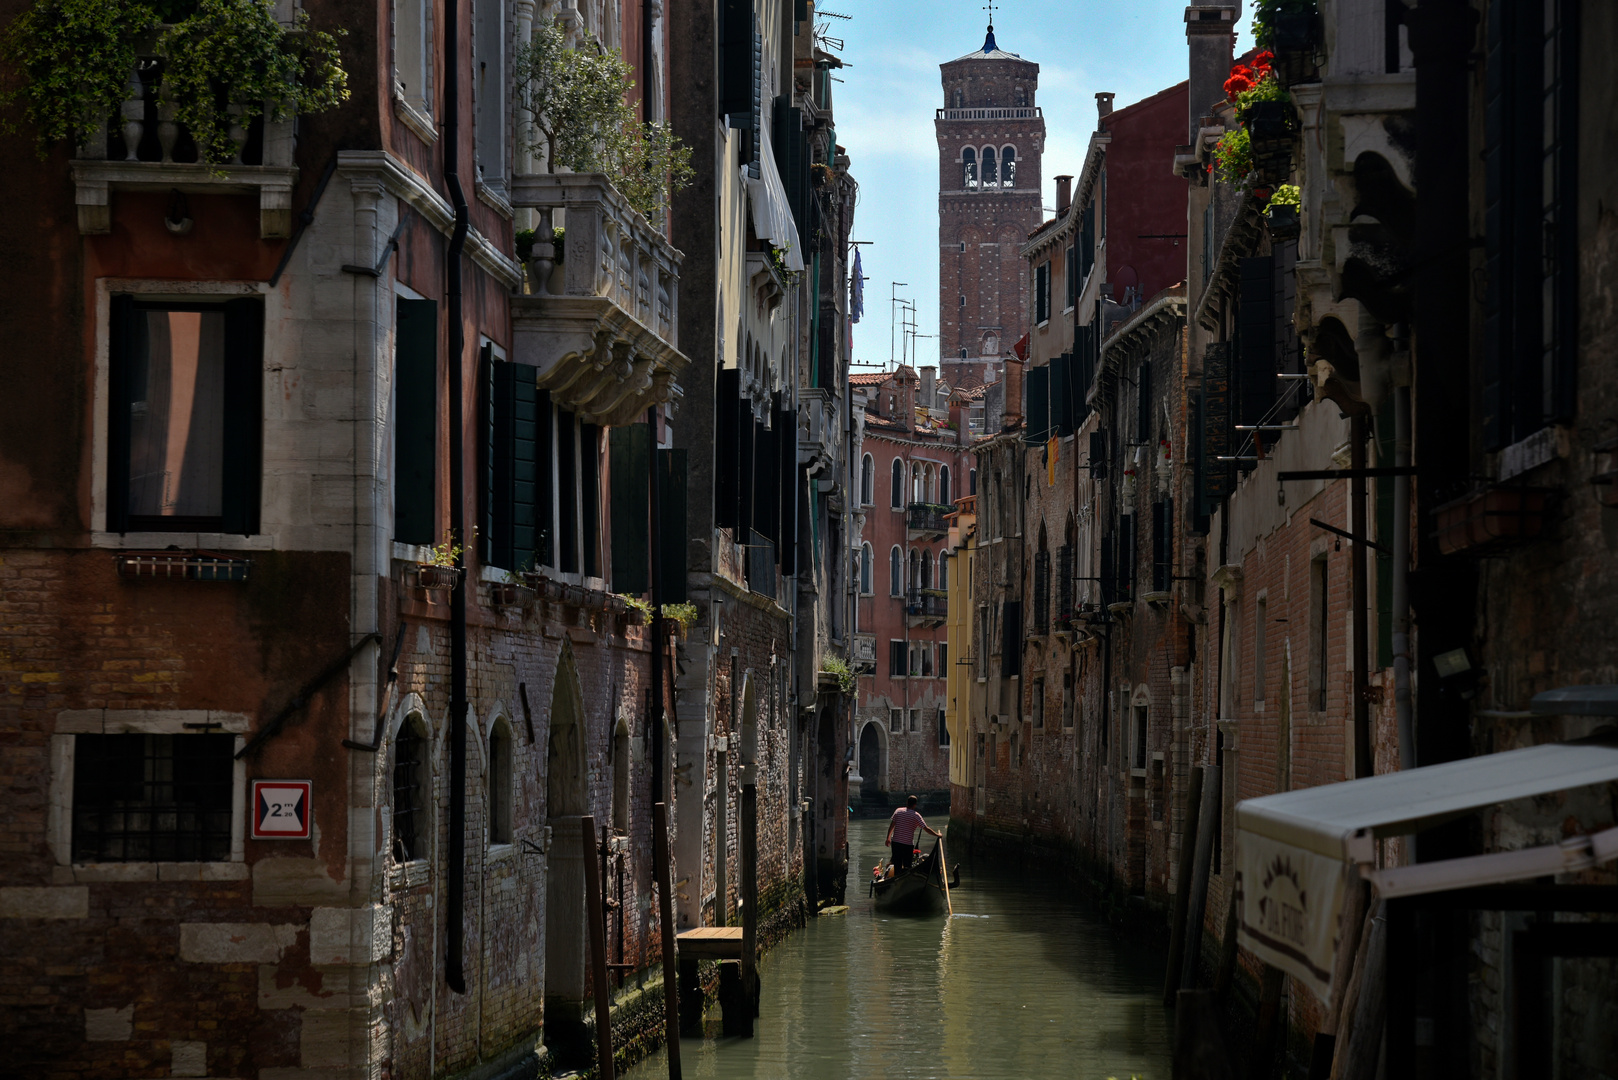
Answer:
(414, 109)
(500, 718)
(1139, 719)
(868, 480)
(71, 723)
(867, 569)
(101, 405)
(417, 871)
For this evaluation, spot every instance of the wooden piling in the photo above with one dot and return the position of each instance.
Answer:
(598, 951)
(1197, 906)
(1182, 888)
(750, 903)
(671, 989)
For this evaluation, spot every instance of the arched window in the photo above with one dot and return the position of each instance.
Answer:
(867, 481)
(499, 786)
(969, 168)
(918, 493)
(943, 569)
(991, 176)
(943, 484)
(411, 783)
(620, 777)
(898, 484)
(972, 482)
(926, 570)
(1008, 167)
(866, 570)
(896, 573)
(915, 569)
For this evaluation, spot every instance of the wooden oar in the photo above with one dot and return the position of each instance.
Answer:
(944, 868)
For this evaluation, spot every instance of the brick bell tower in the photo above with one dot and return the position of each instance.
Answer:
(991, 134)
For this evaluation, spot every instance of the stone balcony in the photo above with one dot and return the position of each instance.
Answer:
(927, 520)
(818, 435)
(143, 148)
(599, 325)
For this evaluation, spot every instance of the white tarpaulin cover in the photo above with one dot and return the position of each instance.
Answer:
(772, 212)
(1295, 851)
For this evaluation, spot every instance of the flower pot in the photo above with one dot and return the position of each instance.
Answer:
(434, 576)
(510, 594)
(1284, 223)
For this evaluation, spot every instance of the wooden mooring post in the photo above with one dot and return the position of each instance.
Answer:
(598, 951)
(671, 989)
(750, 908)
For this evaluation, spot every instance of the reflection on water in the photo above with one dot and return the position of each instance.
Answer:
(1021, 983)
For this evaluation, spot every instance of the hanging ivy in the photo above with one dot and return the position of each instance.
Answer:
(226, 63)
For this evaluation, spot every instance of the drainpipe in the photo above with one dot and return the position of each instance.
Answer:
(655, 727)
(454, 975)
(1403, 706)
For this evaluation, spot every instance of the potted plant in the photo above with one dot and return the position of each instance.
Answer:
(835, 674)
(214, 66)
(1282, 212)
(510, 593)
(1290, 29)
(680, 618)
(443, 571)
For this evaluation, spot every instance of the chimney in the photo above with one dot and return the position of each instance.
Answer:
(928, 398)
(1014, 404)
(960, 418)
(1103, 105)
(1210, 31)
(1064, 193)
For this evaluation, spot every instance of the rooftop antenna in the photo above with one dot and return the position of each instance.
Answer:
(893, 302)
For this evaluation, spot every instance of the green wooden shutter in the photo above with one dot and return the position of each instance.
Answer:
(567, 490)
(629, 450)
(544, 535)
(1216, 428)
(490, 550)
(243, 442)
(1039, 421)
(1255, 336)
(415, 429)
(126, 339)
(727, 448)
(671, 496)
(590, 496)
(510, 443)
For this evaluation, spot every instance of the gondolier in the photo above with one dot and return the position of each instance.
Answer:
(902, 833)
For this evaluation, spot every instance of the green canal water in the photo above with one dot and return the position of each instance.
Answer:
(1022, 982)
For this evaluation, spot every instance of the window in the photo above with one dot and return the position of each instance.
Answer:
(898, 659)
(943, 570)
(915, 660)
(152, 798)
(972, 482)
(943, 729)
(620, 778)
(1008, 167)
(499, 788)
(1163, 545)
(943, 485)
(898, 484)
(990, 173)
(415, 429)
(413, 54)
(1067, 698)
(1070, 276)
(983, 642)
(1138, 737)
(895, 572)
(969, 170)
(896, 721)
(926, 661)
(184, 431)
(1258, 648)
(410, 781)
(488, 92)
(1016, 748)
(1042, 292)
(1319, 627)
(867, 480)
(915, 720)
(926, 570)
(865, 569)
(1042, 587)
(943, 660)
(1038, 703)
(510, 459)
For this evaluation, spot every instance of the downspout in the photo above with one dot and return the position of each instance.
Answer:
(1404, 709)
(655, 724)
(454, 973)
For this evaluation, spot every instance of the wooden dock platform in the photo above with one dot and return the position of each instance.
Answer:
(710, 943)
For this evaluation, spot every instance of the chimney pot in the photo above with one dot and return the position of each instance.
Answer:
(1104, 104)
(1064, 193)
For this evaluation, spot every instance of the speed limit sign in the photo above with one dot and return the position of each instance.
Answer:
(281, 809)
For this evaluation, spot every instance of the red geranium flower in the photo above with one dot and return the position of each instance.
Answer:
(1238, 83)
(1263, 59)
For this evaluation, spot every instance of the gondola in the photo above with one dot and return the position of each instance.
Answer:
(917, 891)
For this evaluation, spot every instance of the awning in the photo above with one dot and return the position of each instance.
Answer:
(1296, 851)
(772, 213)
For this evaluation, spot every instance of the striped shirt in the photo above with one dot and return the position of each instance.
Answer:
(905, 823)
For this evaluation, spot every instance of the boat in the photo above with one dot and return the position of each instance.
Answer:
(917, 891)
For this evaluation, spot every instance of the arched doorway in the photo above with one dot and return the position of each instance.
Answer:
(566, 802)
(871, 760)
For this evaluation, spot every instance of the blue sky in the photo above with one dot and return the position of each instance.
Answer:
(885, 104)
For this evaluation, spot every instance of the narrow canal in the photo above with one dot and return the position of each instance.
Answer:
(1022, 982)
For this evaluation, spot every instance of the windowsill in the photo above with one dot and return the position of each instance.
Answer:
(419, 122)
(413, 553)
(500, 852)
(491, 196)
(103, 872)
(410, 875)
(156, 541)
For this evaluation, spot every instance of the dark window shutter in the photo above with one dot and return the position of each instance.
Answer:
(786, 445)
(1042, 591)
(509, 403)
(1098, 455)
(671, 506)
(126, 339)
(629, 450)
(1062, 411)
(766, 470)
(1126, 556)
(244, 416)
(744, 470)
(544, 479)
(1216, 428)
(490, 551)
(1064, 581)
(896, 658)
(736, 61)
(1039, 420)
(567, 492)
(1255, 335)
(1011, 634)
(590, 477)
(1109, 563)
(727, 448)
(415, 430)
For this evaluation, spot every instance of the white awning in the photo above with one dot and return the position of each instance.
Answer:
(772, 212)
(1296, 851)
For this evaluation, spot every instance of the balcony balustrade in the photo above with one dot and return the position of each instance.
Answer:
(927, 519)
(599, 323)
(926, 606)
(1017, 113)
(144, 148)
